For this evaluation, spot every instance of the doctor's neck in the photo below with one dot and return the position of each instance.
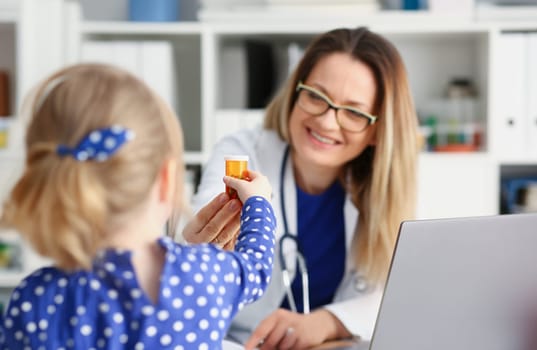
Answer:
(313, 178)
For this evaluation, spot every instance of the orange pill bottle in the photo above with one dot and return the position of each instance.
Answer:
(236, 166)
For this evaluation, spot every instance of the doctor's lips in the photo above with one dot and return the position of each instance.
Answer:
(236, 166)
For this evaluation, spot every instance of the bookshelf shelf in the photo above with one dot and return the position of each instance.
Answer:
(194, 157)
(140, 28)
(8, 17)
(10, 279)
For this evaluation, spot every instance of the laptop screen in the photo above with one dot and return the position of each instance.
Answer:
(464, 283)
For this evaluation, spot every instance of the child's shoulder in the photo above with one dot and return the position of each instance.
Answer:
(42, 284)
(187, 252)
(40, 281)
(44, 276)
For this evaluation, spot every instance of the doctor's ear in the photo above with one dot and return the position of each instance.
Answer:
(373, 136)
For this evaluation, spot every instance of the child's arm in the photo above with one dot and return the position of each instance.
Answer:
(256, 244)
(254, 250)
(2, 332)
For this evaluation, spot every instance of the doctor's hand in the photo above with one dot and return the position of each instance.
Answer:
(284, 329)
(217, 222)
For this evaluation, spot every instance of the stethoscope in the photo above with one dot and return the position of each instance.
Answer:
(299, 256)
(360, 282)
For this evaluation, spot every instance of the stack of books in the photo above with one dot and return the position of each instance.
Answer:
(508, 11)
(4, 94)
(311, 3)
(259, 10)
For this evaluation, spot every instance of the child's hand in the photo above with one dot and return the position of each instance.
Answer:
(256, 185)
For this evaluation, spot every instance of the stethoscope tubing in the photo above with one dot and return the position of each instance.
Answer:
(301, 261)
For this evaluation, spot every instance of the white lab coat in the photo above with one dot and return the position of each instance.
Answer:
(354, 305)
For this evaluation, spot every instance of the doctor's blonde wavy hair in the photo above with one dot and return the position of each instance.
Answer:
(381, 181)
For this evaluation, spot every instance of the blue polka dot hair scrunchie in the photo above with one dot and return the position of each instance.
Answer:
(98, 145)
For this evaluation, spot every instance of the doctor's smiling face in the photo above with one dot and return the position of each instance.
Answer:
(318, 140)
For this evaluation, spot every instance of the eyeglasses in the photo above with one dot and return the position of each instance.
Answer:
(314, 102)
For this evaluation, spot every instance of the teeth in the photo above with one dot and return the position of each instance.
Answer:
(322, 139)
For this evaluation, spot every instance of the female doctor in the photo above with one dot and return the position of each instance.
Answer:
(339, 145)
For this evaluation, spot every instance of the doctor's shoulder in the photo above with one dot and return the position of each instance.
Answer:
(252, 138)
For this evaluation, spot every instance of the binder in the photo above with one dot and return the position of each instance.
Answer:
(4, 94)
(94, 51)
(233, 81)
(510, 99)
(531, 116)
(126, 54)
(294, 54)
(261, 73)
(157, 69)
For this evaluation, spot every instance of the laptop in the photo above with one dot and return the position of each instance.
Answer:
(462, 283)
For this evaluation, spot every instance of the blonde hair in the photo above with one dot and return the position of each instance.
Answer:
(381, 180)
(64, 207)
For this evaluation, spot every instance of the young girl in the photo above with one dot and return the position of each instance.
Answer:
(103, 176)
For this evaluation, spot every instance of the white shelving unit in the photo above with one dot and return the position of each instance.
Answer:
(8, 61)
(31, 45)
(210, 77)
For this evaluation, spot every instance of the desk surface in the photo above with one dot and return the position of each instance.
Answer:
(333, 345)
(343, 345)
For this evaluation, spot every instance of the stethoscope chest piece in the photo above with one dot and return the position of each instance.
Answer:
(360, 283)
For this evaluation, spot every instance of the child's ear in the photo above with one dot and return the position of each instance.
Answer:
(167, 177)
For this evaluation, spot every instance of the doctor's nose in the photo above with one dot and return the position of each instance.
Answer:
(329, 119)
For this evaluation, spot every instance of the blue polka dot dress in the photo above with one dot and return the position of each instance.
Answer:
(201, 289)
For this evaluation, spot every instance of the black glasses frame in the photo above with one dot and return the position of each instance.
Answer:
(331, 105)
